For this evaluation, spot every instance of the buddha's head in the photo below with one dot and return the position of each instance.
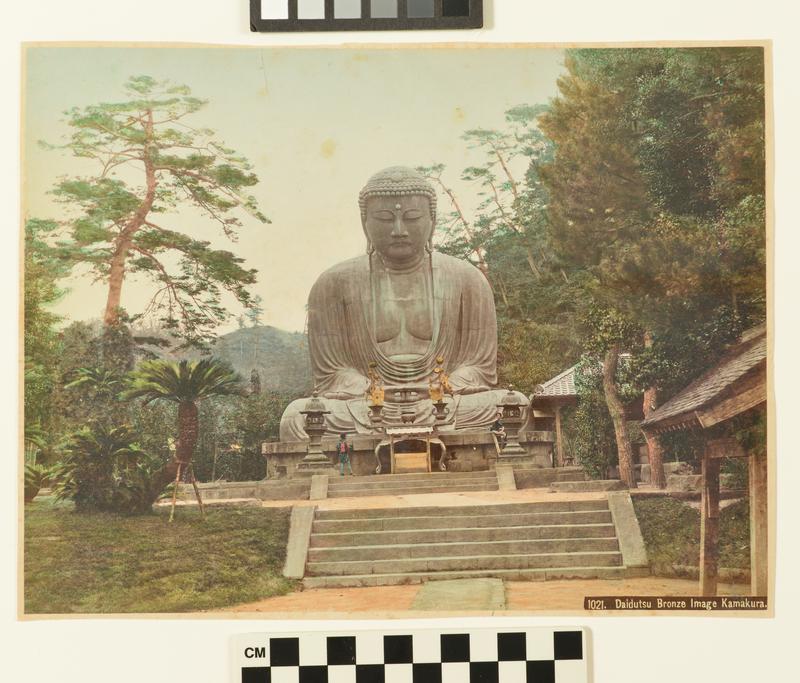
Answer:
(398, 213)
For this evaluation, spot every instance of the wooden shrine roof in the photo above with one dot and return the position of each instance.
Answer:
(736, 383)
(560, 386)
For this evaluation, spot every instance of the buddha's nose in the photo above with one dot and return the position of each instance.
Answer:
(399, 227)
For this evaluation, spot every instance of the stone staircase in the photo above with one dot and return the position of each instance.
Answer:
(517, 541)
(404, 484)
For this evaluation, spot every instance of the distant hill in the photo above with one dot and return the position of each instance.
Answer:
(280, 357)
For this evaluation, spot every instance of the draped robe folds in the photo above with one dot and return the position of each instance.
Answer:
(342, 309)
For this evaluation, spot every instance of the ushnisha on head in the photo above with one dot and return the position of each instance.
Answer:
(398, 213)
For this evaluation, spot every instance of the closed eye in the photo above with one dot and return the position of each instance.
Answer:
(383, 215)
(412, 215)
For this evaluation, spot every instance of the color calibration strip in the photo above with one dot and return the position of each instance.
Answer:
(364, 15)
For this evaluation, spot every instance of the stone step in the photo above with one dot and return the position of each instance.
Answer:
(393, 579)
(463, 521)
(570, 474)
(409, 490)
(422, 476)
(456, 535)
(473, 548)
(348, 484)
(587, 486)
(466, 562)
(411, 462)
(453, 511)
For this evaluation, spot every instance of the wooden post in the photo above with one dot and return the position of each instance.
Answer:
(709, 526)
(428, 451)
(759, 524)
(559, 438)
(197, 491)
(175, 491)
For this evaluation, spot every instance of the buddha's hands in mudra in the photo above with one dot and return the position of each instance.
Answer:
(467, 380)
(348, 384)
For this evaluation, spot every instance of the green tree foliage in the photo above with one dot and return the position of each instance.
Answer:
(656, 194)
(185, 383)
(506, 238)
(255, 312)
(657, 190)
(151, 161)
(232, 430)
(588, 426)
(104, 469)
(36, 477)
(42, 347)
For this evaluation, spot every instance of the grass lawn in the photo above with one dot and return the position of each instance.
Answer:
(671, 531)
(96, 563)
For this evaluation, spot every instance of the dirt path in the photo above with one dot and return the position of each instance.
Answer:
(527, 596)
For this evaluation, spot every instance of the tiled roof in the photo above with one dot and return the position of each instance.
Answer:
(747, 354)
(560, 385)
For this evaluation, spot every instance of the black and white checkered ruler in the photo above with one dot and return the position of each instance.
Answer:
(481, 655)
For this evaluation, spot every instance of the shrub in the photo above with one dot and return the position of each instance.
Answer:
(671, 531)
(36, 478)
(104, 469)
(589, 427)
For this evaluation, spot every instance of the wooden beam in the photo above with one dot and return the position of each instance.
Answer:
(725, 448)
(749, 393)
(709, 526)
(759, 524)
(559, 439)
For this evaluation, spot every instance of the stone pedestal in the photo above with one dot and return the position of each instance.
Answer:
(309, 468)
(520, 460)
(475, 450)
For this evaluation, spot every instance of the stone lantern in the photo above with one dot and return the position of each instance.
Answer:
(315, 426)
(513, 412)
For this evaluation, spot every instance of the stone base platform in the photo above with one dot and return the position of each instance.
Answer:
(465, 452)
(588, 485)
(301, 487)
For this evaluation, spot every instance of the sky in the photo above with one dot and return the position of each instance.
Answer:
(314, 124)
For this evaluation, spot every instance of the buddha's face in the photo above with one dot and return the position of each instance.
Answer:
(399, 227)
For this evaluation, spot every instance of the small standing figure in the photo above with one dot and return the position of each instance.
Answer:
(343, 450)
(499, 430)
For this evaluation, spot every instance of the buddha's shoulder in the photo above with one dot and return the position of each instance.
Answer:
(457, 267)
(344, 270)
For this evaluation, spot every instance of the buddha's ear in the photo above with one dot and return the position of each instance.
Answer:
(370, 245)
(429, 243)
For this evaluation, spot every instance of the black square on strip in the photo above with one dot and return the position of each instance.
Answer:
(427, 673)
(398, 650)
(568, 645)
(455, 647)
(341, 650)
(483, 672)
(313, 674)
(455, 8)
(255, 674)
(370, 673)
(284, 651)
(511, 647)
(540, 672)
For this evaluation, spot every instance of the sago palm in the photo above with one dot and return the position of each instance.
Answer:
(185, 383)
